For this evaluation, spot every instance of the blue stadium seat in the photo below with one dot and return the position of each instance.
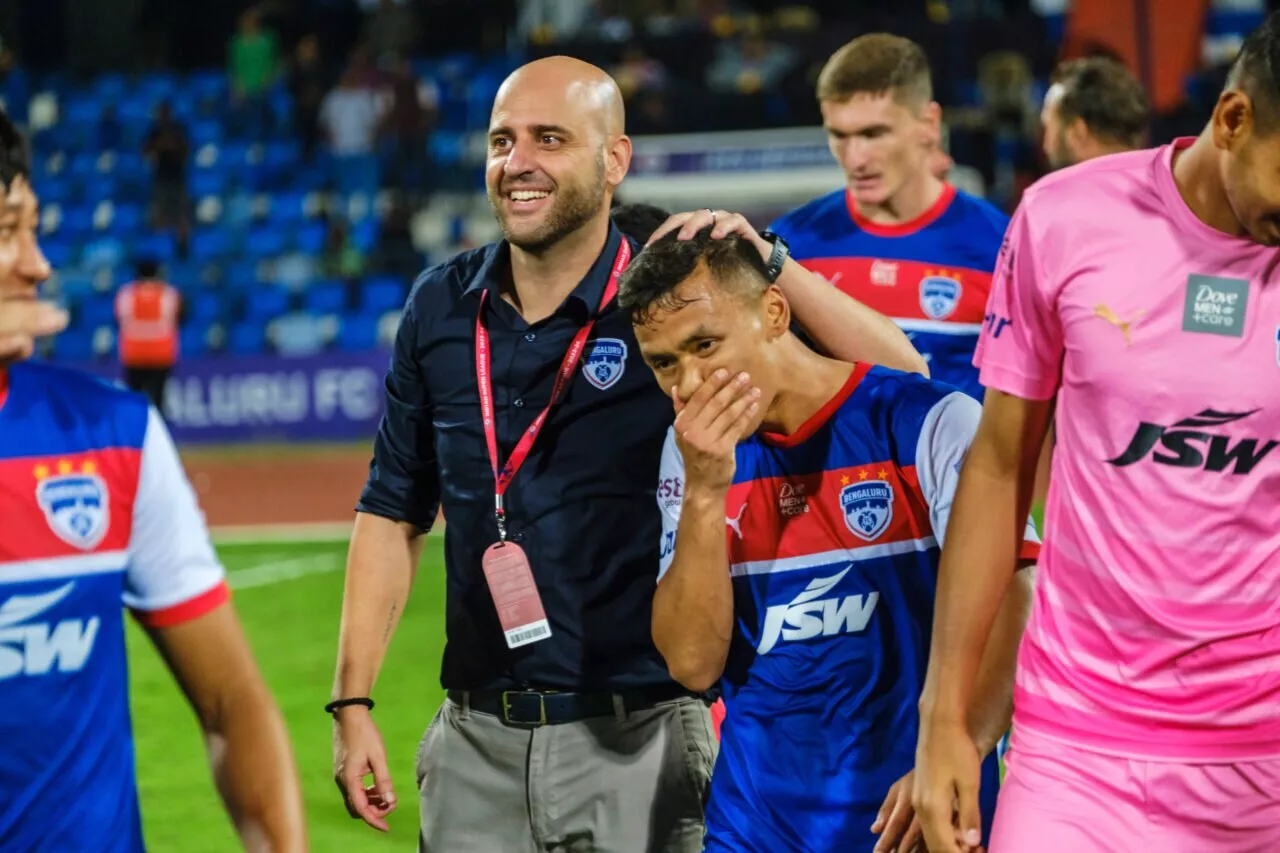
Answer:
(240, 276)
(194, 339)
(364, 234)
(206, 182)
(446, 147)
(74, 345)
(126, 220)
(210, 244)
(59, 252)
(208, 87)
(358, 333)
(97, 310)
(328, 297)
(205, 306)
(265, 242)
(383, 293)
(77, 221)
(266, 302)
(104, 252)
(75, 286)
(160, 247)
(287, 209)
(204, 131)
(57, 190)
(247, 338)
(101, 187)
(310, 238)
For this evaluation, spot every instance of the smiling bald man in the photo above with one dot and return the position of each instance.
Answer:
(518, 402)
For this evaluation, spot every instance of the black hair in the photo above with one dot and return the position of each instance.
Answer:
(650, 281)
(147, 268)
(13, 152)
(1256, 71)
(1106, 96)
(638, 220)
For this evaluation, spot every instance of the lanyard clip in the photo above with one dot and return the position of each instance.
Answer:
(500, 516)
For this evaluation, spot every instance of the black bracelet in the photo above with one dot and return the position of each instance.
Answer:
(333, 706)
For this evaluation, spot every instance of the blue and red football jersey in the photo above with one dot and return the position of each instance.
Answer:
(931, 275)
(96, 515)
(834, 535)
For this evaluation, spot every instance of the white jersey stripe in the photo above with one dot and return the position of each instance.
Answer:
(938, 326)
(70, 566)
(827, 558)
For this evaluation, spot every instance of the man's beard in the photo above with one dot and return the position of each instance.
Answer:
(1060, 154)
(574, 206)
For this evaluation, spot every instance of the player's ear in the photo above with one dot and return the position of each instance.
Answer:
(931, 115)
(777, 312)
(1232, 118)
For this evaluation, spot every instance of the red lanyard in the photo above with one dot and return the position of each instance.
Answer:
(502, 475)
(4, 381)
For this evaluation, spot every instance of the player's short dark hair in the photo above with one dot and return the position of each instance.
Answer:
(650, 281)
(1256, 71)
(147, 268)
(638, 220)
(1102, 93)
(877, 64)
(13, 152)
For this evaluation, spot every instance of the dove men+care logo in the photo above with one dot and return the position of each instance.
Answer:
(817, 613)
(1215, 305)
(34, 648)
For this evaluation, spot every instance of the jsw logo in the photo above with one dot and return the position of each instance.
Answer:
(34, 648)
(1185, 446)
(809, 615)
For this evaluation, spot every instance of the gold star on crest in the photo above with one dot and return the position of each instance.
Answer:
(884, 475)
(844, 481)
(41, 471)
(89, 467)
(862, 475)
(65, 466)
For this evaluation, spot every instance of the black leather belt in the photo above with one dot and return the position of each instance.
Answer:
(540, 708)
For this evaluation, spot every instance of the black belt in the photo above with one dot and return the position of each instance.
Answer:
(540, 708)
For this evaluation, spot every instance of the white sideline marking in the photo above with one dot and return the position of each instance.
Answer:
(267, 574)
(251, 534)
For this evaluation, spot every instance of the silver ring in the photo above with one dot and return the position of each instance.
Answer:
(713, 216)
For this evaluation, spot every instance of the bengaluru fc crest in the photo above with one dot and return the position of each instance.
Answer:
(605, 362)
(75, 503)
(868, 507)
(939, 296)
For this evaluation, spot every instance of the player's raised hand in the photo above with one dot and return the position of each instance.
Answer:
(24, 320)
(358, 752)
(896, 822)
(710, 424)
(723, 225)
(948, 769)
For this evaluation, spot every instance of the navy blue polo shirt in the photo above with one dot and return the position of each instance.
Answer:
(583, 504)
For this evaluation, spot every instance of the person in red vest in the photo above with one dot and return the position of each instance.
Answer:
(148, 313)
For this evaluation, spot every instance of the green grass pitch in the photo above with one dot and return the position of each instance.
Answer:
(292, 625)
(289, 597)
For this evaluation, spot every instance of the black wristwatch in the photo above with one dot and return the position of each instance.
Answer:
(778, 257)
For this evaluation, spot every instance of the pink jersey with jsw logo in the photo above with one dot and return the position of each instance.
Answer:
(1156, 626)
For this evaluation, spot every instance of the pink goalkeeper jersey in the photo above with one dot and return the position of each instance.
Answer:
(1156, 626)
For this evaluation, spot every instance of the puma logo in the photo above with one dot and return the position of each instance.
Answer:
(735, 524)
(1113, 318)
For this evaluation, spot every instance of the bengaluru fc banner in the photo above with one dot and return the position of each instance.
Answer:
(331, 397)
